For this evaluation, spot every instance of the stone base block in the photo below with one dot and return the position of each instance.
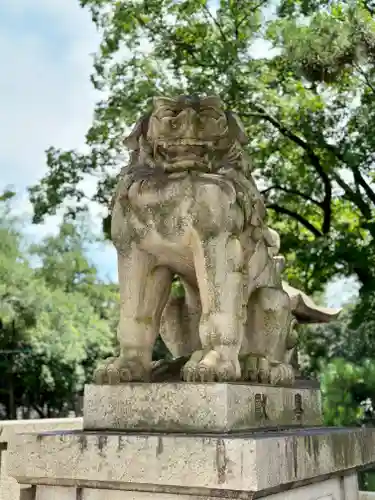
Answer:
(183, 407)
(248, 465)
(364, 495)
(337, 488)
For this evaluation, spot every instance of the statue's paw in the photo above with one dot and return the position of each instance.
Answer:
(115, 371)
(256, 369)
(189, 371)
(211, 368)
(282, 374)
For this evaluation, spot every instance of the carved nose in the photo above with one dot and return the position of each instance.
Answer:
(189, 120)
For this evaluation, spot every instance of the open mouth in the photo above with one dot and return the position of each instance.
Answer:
(183, 150)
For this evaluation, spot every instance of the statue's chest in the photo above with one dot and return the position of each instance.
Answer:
(206, 205)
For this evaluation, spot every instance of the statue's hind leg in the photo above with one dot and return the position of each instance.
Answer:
(180, 322)
(144, 290)
(269, 337)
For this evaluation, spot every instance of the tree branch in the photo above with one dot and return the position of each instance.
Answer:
(365, 77)
(216, 22)
(359, 179)
(312, 156)
(297, 217)
(238, 24)
(294, 192)
(39, 410)
(352, 195)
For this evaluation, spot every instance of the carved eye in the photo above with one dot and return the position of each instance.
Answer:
(210, 113)
(166, 113)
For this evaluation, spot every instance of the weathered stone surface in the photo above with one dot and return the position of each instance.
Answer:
(55, 493)
(197, 465)
(10, 427)
(336, 488)
(9, 488)
(330, 489)
(366, 495)
(349, 487)
(91, 494)
(26, 493)
(179, 407)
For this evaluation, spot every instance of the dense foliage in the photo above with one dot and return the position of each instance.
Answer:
(56, 319)
(342, 355)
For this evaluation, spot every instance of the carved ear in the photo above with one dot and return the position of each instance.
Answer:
(213, 101)
(236, 129)
(139, 129)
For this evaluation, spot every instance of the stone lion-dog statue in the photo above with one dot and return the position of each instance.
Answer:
(187, 205)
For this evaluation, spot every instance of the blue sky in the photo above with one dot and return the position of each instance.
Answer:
(46, 98)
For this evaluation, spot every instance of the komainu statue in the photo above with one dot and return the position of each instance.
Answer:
(187, 205)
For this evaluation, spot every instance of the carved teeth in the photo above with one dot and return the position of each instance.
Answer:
(185, 142)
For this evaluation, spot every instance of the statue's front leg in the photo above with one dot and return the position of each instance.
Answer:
(144, 290)
(219, 268)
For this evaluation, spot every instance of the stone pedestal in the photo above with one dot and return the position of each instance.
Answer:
(184, 407)
(200, 460)
(138, 465)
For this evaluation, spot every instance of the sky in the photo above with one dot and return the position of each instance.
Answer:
(46, 99)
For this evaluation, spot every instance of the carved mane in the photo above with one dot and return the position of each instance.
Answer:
(233, 165)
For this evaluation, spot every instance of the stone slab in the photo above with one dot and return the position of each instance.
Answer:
(208, 465)
(366, 495)
(10, 427)
(9, 488)
(55, 493)
(329, 489)
(349, 487)
(184, 407)
(27, 493)
(91, 494)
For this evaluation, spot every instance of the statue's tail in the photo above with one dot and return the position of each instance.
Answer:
(305, 310)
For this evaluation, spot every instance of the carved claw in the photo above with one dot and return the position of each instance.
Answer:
(115, 371)
(256, 369)
(260, 369)
(189, 371)
(209, 367)
(282, 374)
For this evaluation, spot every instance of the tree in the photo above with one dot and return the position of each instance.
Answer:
(64, 265)
(52, 322)
(310, 126)
(348, 392)
(342, 355)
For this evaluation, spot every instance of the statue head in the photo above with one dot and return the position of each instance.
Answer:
(187, 131)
